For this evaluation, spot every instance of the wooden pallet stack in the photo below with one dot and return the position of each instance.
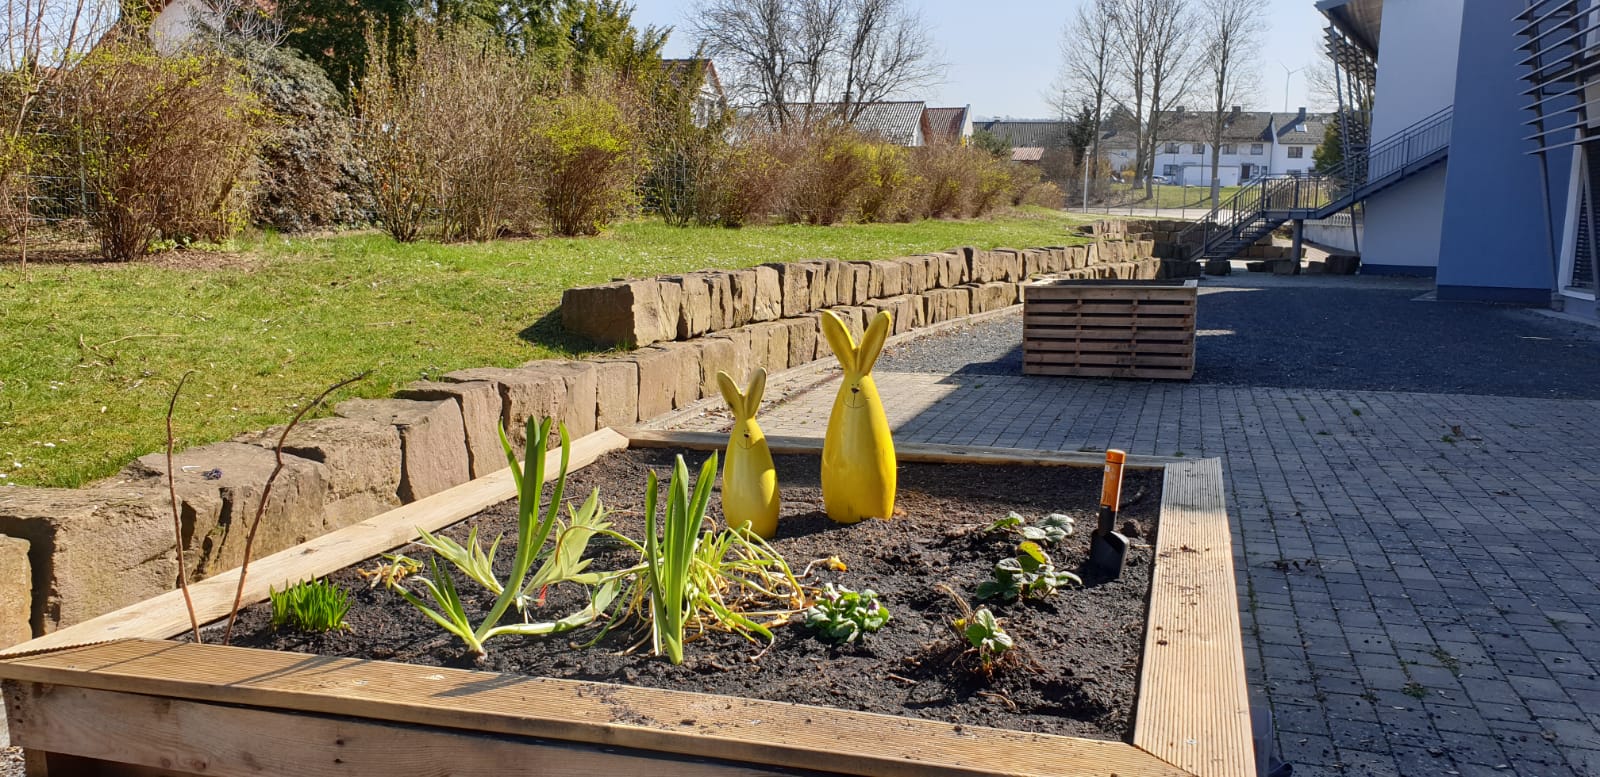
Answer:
(1109, 328)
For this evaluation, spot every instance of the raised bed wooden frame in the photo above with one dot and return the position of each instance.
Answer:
(112, 697)
(1109, 329)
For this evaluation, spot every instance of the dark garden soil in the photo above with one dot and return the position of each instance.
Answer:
(1076, 665)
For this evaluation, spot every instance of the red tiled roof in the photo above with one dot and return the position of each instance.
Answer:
(943, 125)
(1027, 154)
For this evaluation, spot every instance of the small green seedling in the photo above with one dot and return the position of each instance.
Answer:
(1051, 529)
(981, 631)
(312, 605)
(843, 615)
(1028, 575)
(984, 633)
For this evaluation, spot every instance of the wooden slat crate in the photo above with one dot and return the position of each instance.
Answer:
(1109, 329)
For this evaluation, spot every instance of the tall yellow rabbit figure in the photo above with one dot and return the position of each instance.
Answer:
(858, 468)
(749, 481)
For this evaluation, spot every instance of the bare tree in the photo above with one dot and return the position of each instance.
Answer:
(1231, 33)
(1131, 24)
(1086, 69)
(1172, 69)
(775, 54)
(231, 25)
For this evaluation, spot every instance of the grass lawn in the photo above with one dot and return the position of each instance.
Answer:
(89, 352)
(1166, 196)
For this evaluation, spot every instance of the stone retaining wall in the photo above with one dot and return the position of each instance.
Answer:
(94, 549)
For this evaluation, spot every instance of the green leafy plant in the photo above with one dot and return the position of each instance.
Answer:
(311, 605)
(982, 632)
(689, 579)
(1051, 529)
(843, 615)
(564, 564)
(1030, 574)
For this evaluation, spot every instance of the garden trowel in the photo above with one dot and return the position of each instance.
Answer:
(1108, 550)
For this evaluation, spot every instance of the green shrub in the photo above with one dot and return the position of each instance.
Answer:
(587, 156)
(829, 175)
(310, 174)
(887, 187)
(165, 144)
(445, 135)
(946, 176)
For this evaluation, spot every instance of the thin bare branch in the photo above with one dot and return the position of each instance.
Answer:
(177, 515)
(266, 491)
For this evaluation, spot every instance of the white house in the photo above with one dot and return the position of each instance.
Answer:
(1254, 143)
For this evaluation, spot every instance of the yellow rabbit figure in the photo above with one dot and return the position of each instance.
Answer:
(749, 481)
(858, 467)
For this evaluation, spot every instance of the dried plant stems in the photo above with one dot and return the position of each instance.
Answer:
(177, 516)
(266, 491)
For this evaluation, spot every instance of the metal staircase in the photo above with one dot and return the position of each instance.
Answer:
(1269, 202)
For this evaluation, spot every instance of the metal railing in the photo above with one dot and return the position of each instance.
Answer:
(1272, 200)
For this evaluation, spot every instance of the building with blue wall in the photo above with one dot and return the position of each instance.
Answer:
(1501, 214)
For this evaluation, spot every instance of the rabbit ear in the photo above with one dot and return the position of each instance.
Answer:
(844, 346)
(730, 394)
(872, 342)
(752, 395)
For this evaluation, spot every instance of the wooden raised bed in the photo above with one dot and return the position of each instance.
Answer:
(1109, 329)
(111, 696)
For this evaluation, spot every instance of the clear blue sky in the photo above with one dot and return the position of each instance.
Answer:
(1003, 55)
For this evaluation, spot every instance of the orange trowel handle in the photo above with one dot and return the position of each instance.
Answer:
(1111, 489)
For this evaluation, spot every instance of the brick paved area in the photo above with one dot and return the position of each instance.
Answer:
(1417, 571)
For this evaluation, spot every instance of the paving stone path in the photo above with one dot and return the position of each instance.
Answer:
(1417, 571)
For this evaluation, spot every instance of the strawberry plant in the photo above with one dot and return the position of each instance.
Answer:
(1028, 575)
(843, 615)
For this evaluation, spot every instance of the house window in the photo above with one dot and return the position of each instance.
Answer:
(1297, 152)
(1227, 148)
(1170, 171)
(1257, 149)
(1198, 148)
(1172, 148)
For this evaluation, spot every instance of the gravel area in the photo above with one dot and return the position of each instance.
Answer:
(1375, 334)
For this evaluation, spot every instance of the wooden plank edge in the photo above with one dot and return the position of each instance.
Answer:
(1235, 754)
(918, 452)
(165, 615)
(681, 723)
(163, 734)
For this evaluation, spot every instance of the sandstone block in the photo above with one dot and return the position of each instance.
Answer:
(768, 303)
(858, 276)
(479, 402)
(769, 345)
(626, 313)
(96, 549)
(669, 378)
(524, 394)
(795, 281)
(822, 282)
(888, 277)
(694, 305)
(1218, 267)
(361, 460)
(16, 592)
(616, 393)
(742, 288)
(574, 398)
(993, 295)
(219, 488)
(720, 354)
(433, 448)
(914, 271)
(720, 288)
(802, 339)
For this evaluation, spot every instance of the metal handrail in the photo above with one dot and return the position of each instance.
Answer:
(1393, 156)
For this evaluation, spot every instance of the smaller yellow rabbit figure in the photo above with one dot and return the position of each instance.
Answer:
(749, 481)
(858, 466)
